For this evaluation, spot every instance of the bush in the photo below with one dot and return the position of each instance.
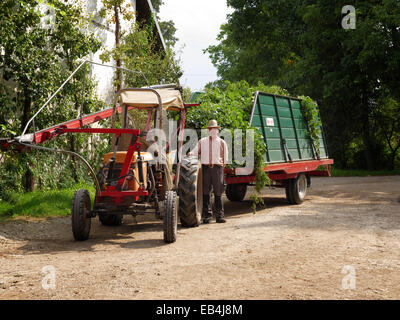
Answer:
(231, 105)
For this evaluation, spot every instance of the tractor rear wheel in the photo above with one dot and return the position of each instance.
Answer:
(107, 219)
(236, 192)
(170, 217)
(80, 219)
(296, 189)
(190, 193)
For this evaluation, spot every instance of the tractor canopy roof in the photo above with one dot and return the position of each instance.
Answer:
(170, 99)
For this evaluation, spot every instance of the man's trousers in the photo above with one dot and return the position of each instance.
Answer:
(213, 179)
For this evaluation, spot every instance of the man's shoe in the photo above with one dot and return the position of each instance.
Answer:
(206, 221)
(221, 220)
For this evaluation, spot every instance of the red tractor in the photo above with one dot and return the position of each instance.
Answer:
(140, 174)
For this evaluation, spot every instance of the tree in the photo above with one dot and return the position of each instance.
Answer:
(258, 41)
(347, 69)
(168, 31)
(25, 51)
(136, 47)
(114, 11)
(301, 45)
(38, 51)
(168, 28)
(32, 66)
(388, 115)
(138, 52)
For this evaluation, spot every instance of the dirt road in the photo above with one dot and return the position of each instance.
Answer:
(349, 225)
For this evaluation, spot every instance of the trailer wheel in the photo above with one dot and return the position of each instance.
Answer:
(236, 192)
(170, 217)
(80, 220)
(190, 193)
(296, 189)
(107, 219)
(289, 192)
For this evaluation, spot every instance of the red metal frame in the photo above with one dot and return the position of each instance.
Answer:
(118, 132)
(112, 191)
(52, 132)
(283, 171)
(148, 123)
(298, 166)
(118, 196)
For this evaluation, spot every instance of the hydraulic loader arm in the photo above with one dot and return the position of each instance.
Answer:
(53, 132)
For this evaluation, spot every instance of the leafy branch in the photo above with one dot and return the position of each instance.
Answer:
(5, 130)
(230, 104)
(311, 115)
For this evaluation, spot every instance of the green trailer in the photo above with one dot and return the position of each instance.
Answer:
(291, 157)
(284, 129)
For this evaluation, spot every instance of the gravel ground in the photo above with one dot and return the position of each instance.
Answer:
(341, 243)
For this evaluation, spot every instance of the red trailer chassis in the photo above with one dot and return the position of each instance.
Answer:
(280, 172)
(294, 176)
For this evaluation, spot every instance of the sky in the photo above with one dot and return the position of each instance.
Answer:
(198, 24)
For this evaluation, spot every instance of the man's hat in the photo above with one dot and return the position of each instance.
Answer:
(213, 124)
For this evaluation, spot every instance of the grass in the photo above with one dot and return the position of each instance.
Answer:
(362, 173)
(41, 203)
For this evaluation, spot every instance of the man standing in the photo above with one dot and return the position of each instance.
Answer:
(213, 153)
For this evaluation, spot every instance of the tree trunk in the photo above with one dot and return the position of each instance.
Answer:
(368, 144)
(27, 110)
(73, 162)
(369, 158)
(29, 181)
(393, 157)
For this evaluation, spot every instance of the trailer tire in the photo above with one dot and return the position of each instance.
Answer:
(190, 193)
(107, 219)
(171, 216)
(289, 192)
(236, 192)
(80, 220)
(296, 189)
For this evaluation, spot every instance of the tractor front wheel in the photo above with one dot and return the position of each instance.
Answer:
(80, 219)
(171, 217)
